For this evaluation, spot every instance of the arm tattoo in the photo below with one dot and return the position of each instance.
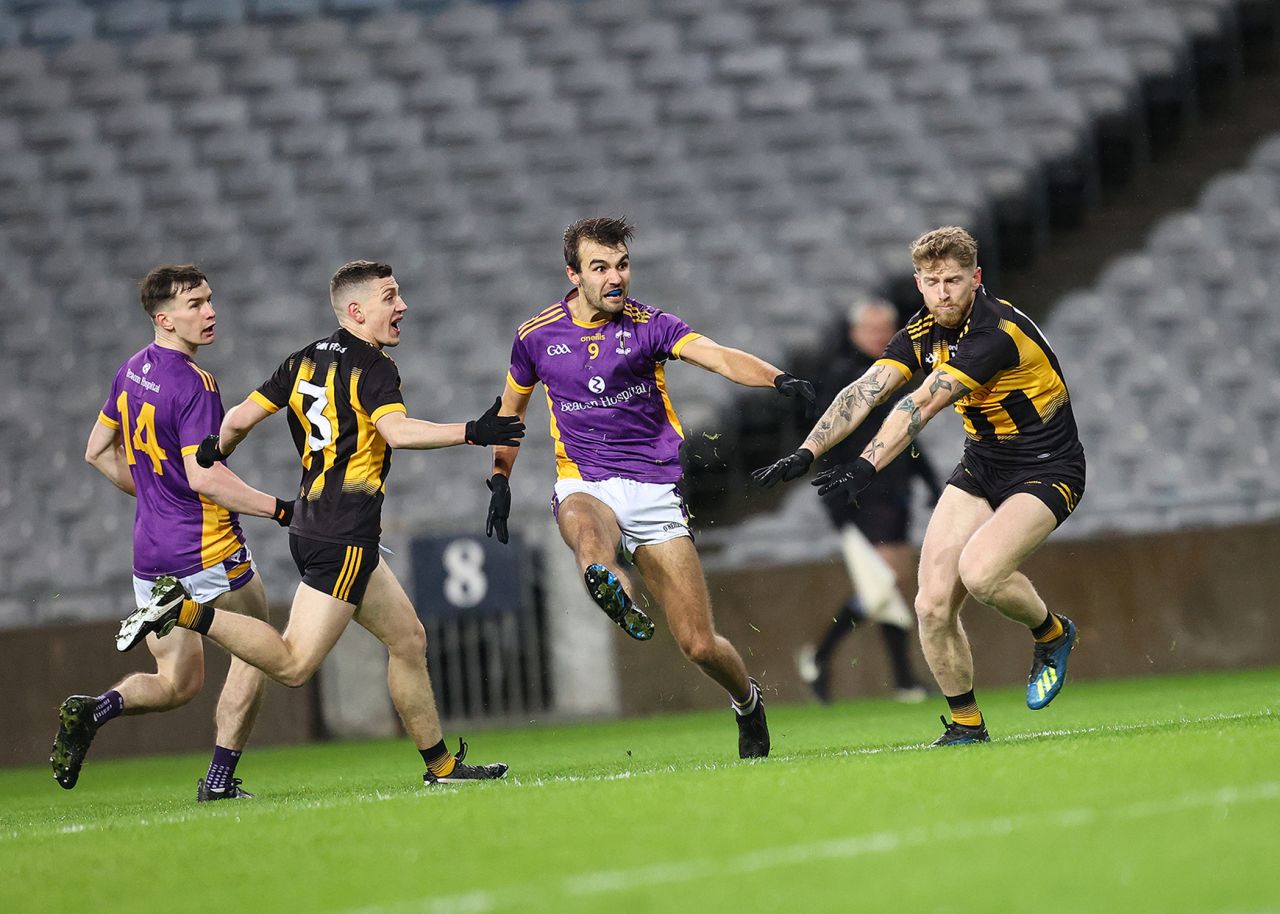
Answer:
(942, 381)
(873, 450)
(866, 392)
(915, 421)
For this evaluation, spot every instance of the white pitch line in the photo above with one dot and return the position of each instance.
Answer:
(610, 881)
(515, 782)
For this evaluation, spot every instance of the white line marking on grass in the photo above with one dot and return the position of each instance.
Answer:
(514, 782)
(604, 882)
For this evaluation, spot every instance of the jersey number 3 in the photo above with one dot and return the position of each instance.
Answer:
(320, 430)
(143, 435)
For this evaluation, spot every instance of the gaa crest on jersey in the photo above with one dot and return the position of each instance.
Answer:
(623, 348)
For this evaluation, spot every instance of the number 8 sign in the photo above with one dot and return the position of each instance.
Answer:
(466, 576)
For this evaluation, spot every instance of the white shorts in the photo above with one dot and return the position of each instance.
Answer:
(208, 584)
(648, 513)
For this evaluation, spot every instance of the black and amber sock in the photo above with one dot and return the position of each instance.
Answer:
(1049, 629)
(195, 616)
(964, 709)
(440, 761)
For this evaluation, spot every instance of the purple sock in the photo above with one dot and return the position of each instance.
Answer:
(221, 768)
(110, 704)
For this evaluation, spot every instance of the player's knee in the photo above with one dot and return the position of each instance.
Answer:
(932, 610)
(415, 640)
(700, 648)
(298, 672)
(981, 578)
(185, 686)
(295, 677)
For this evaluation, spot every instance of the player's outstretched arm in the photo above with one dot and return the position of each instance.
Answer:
(903, 423)
(236, 425)
(851, 406)
(514, 403)
(223, 487)
(105, 453)
(746, 369)
(490, 429)
(846, 412)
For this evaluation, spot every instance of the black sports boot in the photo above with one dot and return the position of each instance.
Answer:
(465, 774)
(958, 734)
(232, 792)
(753, 729)
(76, 729)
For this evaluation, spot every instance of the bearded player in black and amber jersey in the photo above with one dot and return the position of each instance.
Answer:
(345, 414)
(1021, 475)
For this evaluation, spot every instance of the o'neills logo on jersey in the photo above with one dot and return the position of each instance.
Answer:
(558, 349)
(141, 381)
(595, 337)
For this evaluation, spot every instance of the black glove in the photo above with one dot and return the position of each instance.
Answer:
(284, 513)
(846, 480)
(499, 507)
(207, 454)
(800, 389)
(793, 466)
(491, 428)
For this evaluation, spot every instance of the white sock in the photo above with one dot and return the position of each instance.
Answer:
(747, 706)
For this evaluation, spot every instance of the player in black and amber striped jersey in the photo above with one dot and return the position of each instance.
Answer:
(1022, 473)
(346, 414)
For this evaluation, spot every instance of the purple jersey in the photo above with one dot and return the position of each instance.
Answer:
(164, 405)
(606, 389)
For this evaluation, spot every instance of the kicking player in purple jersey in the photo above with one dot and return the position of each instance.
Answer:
(162, 405)
(601, 356)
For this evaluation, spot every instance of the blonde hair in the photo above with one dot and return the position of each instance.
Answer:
(950, 242)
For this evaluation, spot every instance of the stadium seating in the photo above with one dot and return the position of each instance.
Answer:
(776, 155)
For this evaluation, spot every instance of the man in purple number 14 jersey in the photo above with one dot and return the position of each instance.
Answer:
(162, 405)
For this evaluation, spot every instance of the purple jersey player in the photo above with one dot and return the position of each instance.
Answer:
(601, 358)
(161, 406)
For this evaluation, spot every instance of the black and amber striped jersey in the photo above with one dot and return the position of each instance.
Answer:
(1018, 409)
(336, 390)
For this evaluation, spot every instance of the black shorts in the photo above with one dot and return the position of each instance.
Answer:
(340, 571)
(1057, 483)
(881, 516)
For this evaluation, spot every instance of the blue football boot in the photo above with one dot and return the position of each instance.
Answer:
(1049, 667)
(611, 596)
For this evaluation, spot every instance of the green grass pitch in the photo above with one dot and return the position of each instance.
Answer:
(1151, 795)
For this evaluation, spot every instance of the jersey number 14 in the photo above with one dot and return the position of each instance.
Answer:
(143, 435)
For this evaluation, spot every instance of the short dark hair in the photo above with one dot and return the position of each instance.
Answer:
(355, 273)
(164, 282)
(607, 230)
